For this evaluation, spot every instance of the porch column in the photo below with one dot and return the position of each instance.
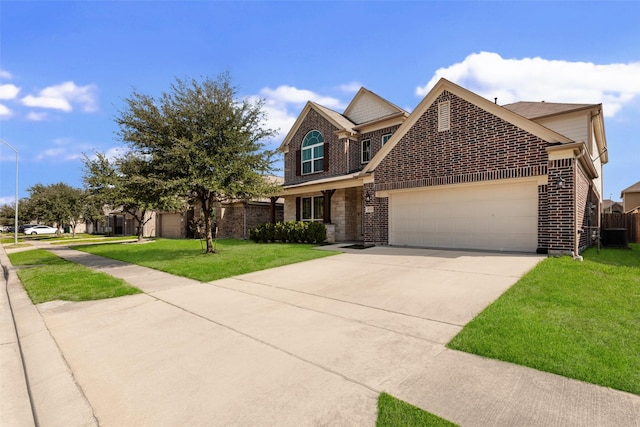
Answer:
(273, 209)
(327, 205)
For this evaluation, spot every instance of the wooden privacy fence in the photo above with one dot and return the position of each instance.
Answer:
(630, 221)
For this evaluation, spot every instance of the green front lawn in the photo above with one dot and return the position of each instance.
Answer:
(47, 277)
(576, 319)
(393, 412)
(66, 239)
(185, 258)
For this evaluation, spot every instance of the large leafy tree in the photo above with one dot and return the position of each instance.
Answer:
(93, 209)
(57, 203)
(7, 214)
(201, 141)
(128, 183)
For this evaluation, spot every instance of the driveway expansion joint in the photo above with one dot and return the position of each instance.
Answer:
(258, 340)
(337, 300)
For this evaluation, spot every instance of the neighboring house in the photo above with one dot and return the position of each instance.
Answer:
(120, 223)
(458, 172)
(234, 219)
(610, 206)
(631, 198)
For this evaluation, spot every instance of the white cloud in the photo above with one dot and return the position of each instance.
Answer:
(9, 91)
(539, 79)
(64, 96)
(51, 154)
(292, 95)
(283, 104)
(37, 117)
(4, 111)
(9, 200)
(4, 74)
(47, 102)
(351, 87)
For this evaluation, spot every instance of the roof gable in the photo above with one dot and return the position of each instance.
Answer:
(367, 106)
(635, 188)
(333, 117)
(537, 110)
(501, 112)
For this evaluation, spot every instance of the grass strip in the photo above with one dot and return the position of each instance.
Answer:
(576, 319)
(393, 412)
(185, 258)
(47, 277)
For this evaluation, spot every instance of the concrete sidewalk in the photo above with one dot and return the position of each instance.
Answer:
(264, 348)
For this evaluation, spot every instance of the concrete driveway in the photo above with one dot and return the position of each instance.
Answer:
(306, 344)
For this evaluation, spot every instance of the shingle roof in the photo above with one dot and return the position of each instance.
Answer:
(337, 117)
(534, 110)
(633, 189)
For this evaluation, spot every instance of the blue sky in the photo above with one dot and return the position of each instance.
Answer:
(65, 67)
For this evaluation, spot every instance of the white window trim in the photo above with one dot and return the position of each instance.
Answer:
(368, 140)
(383, 136)
(313, 209)
(313, 159)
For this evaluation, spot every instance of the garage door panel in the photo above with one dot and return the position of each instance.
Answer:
(493, 216)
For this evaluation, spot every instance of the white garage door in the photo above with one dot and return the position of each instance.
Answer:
(502, 217)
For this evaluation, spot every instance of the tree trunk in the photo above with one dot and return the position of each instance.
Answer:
(207, 210)
(140, 229)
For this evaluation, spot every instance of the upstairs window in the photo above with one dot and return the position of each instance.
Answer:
(366, 151)
(444, 118)
(312, 153)
(385, 138)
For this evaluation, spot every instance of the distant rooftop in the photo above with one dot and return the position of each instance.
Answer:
(633, 189)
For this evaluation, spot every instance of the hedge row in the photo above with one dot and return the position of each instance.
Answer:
(291, 232)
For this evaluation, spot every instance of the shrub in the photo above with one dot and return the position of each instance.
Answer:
(316, 232)
(290, 231)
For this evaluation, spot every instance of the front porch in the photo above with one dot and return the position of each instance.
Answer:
(340, 209)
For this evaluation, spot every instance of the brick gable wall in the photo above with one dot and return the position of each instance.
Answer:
(478, 147)
(337, 158)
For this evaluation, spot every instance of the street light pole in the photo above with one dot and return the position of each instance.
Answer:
(15, 229)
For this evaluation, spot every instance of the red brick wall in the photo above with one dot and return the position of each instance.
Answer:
(478, 147)
(561, 231)
(355, 147)
(337, 158)
(376, 223)
(543, 218)
(231, 225)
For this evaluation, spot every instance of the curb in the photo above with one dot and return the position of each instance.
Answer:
(16, 406)
(37, 387)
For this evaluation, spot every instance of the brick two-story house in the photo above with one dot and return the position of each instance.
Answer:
(460, 171)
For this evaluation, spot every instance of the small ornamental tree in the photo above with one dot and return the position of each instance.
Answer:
(202, 142)
(127, 183)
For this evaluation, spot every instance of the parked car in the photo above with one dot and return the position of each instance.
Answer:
(22, 227)
(40, 229)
